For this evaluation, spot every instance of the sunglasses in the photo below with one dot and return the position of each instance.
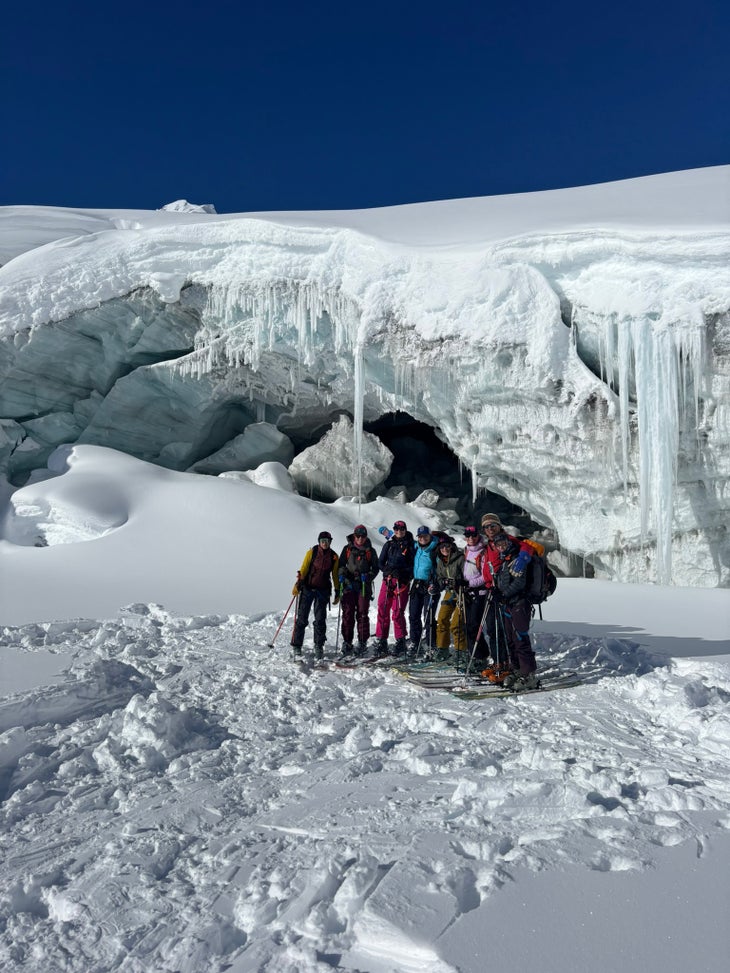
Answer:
(360, 533)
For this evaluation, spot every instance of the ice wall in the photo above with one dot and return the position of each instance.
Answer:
(583, 374)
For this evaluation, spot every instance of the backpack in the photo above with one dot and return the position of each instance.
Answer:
(362, 555)
(540, 580)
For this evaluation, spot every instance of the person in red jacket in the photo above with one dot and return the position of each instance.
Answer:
(358, 569)
(491, 563)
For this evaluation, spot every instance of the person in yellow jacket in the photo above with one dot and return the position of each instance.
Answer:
(450, 623)
(315, 580)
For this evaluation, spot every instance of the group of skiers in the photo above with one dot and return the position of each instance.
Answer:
(484, 605)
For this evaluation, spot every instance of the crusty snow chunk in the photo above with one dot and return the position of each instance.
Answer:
(335, 468)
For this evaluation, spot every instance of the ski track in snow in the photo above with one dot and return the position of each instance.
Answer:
(186, 799)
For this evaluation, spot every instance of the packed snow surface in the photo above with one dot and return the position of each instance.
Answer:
(178, 796)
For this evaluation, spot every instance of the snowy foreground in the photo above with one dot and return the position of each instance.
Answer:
(176, 796)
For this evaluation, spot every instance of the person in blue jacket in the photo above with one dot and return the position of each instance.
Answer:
(422, 605)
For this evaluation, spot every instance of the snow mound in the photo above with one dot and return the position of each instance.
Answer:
(183, 206)
(32, 519)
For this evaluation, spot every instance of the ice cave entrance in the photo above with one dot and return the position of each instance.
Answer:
(422, 461)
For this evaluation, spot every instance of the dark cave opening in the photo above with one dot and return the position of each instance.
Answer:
(423, 461)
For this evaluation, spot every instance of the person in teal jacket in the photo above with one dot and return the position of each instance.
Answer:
(422, 605)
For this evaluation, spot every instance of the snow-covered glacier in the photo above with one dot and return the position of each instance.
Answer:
(571, 347)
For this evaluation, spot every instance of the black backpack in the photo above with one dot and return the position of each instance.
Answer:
(540, 580)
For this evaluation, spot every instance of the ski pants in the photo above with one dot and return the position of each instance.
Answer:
(309, 597)
(476, 602)
(392, 601)
(450, 623)
(516, 617)
(356, 608)
(422, 611)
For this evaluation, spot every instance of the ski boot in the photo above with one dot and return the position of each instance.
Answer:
(319, 652)
(346, 650)
(519, 683)
(497, 673)
(400, 648)
(381, 649)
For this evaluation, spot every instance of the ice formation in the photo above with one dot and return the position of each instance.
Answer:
(258, 443)
(342, 463)
(572, 348)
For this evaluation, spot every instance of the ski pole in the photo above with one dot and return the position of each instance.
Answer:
(461, 616)
(431, 620)
(296, 618)
(418, 647)
(501, 630)
(271, 643)
(339, 610)
(487, 600)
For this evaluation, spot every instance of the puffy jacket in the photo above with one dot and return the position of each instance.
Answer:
(473, 556)
(356, 561)
(424, 568)
(449, 571)
(491, 561)
(396, 558)
(510, 587)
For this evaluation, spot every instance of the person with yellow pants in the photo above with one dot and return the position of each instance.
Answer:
(450, 623)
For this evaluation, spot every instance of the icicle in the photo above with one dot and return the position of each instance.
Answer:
(624, 377)
(667, 366)
(358, 411)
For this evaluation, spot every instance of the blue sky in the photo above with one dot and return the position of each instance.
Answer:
(332, 105)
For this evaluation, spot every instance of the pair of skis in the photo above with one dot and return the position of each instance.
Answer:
(474, 686)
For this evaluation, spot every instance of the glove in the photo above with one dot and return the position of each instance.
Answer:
(364, 578)
(295, 590)
(342, 577)
(461, 583)
(336, 599)
(517, 568)
(433, 589)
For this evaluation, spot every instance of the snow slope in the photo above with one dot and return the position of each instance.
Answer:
(178, 797)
